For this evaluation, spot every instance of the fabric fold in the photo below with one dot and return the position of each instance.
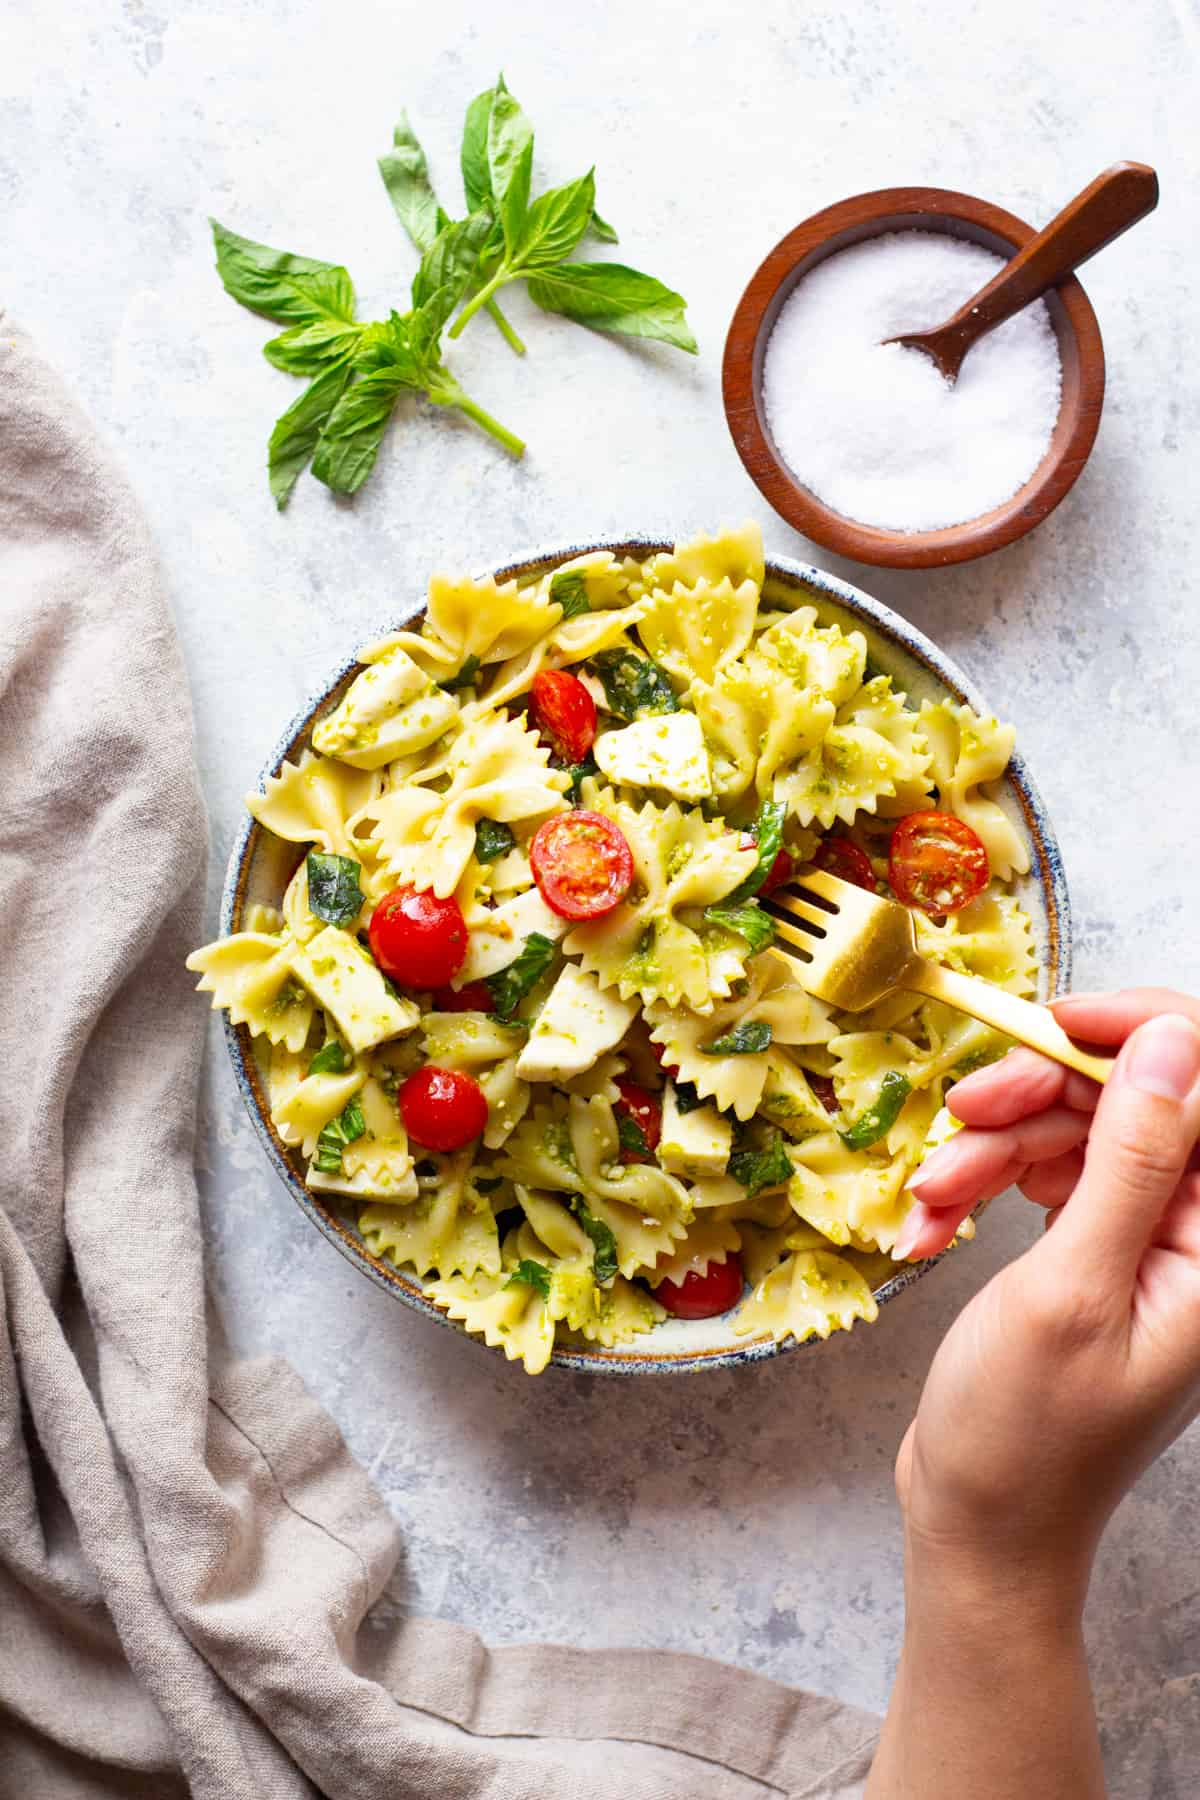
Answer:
(193, 1570)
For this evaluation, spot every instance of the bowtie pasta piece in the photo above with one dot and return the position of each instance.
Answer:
(310, 802)
(969, 754)
(811, 1294)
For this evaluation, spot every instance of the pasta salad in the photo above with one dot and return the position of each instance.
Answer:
(519, 1010)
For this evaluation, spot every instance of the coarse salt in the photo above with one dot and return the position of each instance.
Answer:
(874, 430)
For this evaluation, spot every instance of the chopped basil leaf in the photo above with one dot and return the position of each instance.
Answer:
(487, 1184)
(577, 771)
(339, 1132)
(870, 1126)
(331, 1059)
(426, 1168)
(569, 590)
(531, 1274)
(768, 835)
(746, 1039)
(686, 1097)
(759, 1169)
(631, 1136)
(492, 839)
(604, 1260)
(464, 678)
(334, 894)
(634, 686)
(509, 986)
(748, 920)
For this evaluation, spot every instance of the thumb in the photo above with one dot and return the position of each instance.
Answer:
(1145, 1128)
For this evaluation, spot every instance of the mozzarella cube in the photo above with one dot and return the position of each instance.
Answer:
(579, 1022)
(696, 1143)
(499, 938)
(390, 710)
(666, 752)
(342, 978)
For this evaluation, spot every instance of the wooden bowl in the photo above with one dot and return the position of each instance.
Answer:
(850, 222)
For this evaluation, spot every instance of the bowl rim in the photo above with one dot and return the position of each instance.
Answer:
(1046, 869)
(870, 215)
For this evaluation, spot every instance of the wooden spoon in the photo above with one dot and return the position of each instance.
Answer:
(1106, 207)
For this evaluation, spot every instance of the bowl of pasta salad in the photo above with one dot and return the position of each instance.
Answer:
(499, 989)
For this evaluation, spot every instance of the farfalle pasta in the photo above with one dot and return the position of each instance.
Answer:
(518, 1009)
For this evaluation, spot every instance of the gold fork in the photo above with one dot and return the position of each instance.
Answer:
(850, 948)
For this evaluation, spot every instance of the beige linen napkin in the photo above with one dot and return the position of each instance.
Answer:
(189, 1557)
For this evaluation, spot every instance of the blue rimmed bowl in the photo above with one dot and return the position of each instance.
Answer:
(261, 865)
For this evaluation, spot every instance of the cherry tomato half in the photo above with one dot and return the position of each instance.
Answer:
(564, 712)
(936, 862)
(780, 871)
(417, 939)
(442, 1108)
(581, 863)
(643, 1108)
(476, 996)
(704, 1296)
(838, 856)
(825, 1091)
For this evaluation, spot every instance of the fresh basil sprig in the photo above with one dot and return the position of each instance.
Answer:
(510, 985)
(635, 687)
(345, 1129)
(759, 1169)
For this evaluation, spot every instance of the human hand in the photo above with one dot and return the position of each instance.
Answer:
(1078, 1363)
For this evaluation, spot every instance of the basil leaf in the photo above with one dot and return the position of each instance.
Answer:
(634, 686)
(612, 297)
(492, 839)
(339, 1132)
(577, 772)
(510, 985)
(405, 174)
(465, 677)
(307, 349)
(758, 1169)
(768, 832)
(298, 430)
(510, 163)
(554, 224)
(878, 1119)
(600, 228)
(531, 1274)
(349, 443)
(473, 158)
(331, 1059)
(450, 264)
(334, 893)
(749, 921)
(604, 1259)
(630, 1135)
(487, 1184)
(568, 589)
(292, 290)
(746, 1039)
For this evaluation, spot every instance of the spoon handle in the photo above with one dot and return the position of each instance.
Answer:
(1108, 206)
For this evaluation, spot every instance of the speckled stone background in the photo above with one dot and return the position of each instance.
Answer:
(748, 1517)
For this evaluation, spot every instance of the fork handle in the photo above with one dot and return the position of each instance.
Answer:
(1021, 1019)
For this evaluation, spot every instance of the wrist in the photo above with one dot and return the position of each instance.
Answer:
(995, 1593)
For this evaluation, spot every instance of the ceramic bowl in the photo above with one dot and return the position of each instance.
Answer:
(851, 222)
(260, 866)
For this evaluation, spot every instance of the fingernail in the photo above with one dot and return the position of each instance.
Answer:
(910, 1231)
(1164, 1057)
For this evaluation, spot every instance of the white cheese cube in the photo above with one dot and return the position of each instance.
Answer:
(579, 1022)
(342, 978)
(491, 946)
(666, 752)
(390, 710)
(696, 1143)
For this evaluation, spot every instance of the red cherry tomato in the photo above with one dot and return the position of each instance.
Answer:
(581, 863)
(564, 712)
(417, 939)
(703, 1296)
(838, 856)
(476, 996)
(442, 1108)
(936, 862)
(643, 1106)
(780, 871)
